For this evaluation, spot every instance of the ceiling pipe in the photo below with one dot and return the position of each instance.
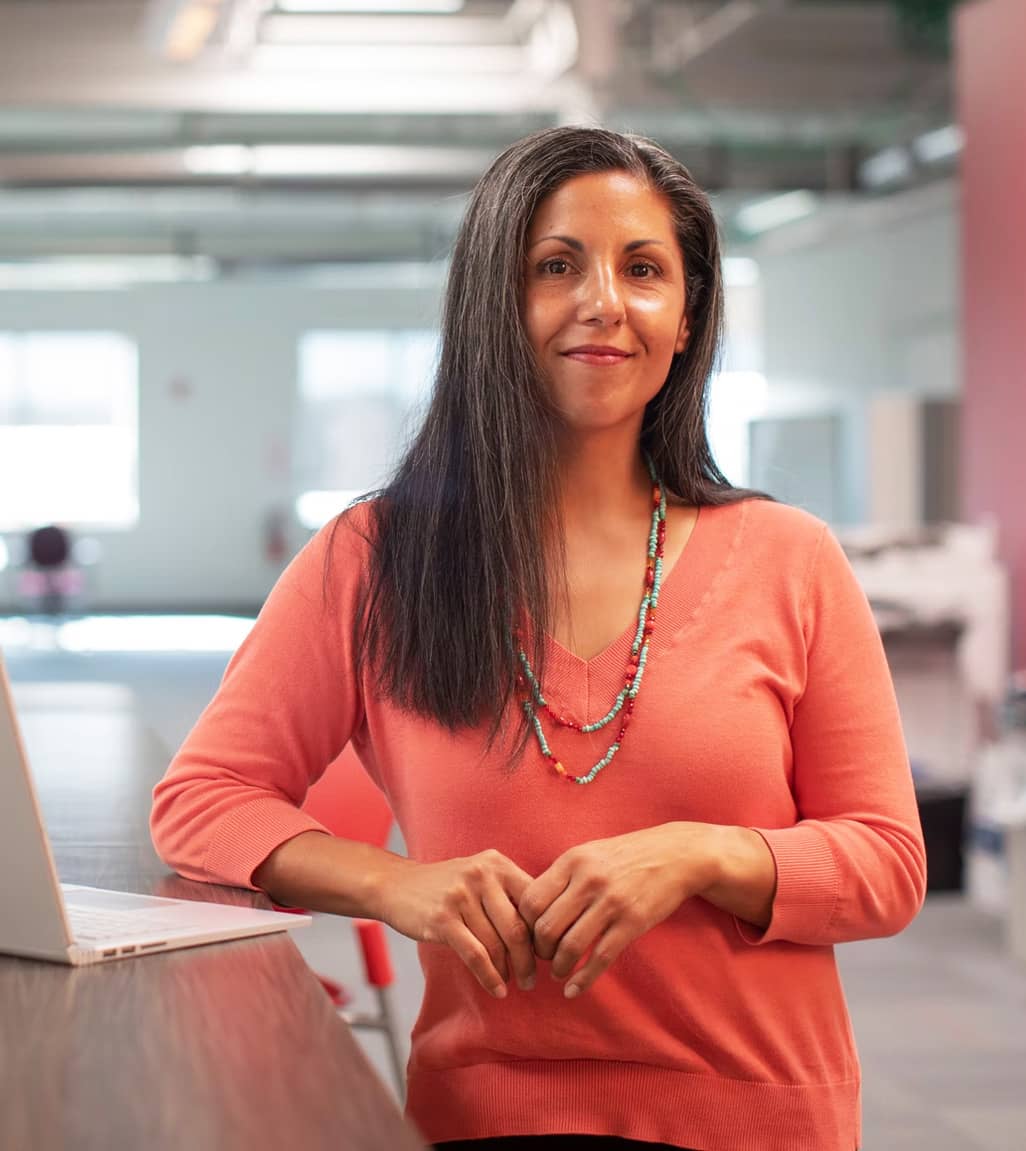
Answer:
(698, 38)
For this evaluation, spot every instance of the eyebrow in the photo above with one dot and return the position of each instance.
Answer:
(579, 247)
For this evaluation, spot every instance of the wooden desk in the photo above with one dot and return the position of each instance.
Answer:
(223, 1047)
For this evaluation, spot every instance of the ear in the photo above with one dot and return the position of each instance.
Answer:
(682, 335)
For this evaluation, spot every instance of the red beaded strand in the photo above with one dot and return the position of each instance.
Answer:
(533, 700)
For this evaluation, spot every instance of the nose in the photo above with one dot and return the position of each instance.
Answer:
(600, 299)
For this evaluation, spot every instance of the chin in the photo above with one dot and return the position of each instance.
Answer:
(593, 423)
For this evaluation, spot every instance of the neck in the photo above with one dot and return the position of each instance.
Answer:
(603, 479)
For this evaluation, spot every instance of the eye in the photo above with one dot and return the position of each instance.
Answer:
(643, 270)
(555, 267)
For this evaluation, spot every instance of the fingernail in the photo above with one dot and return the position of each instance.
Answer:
(527, 984)
(499, 991)
(571, 991)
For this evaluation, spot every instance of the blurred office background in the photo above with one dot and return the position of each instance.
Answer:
(223, 236)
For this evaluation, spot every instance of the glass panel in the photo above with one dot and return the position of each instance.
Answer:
(68, 430)
(798, 460)
(338, 364)
(76, 378)
(362, 394)
(67, 475)
(418, 358)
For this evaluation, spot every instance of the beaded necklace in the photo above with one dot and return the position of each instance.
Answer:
(534, 701)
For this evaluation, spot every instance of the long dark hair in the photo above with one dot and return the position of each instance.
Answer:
(460, 533)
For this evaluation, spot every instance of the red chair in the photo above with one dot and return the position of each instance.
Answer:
(349, 805)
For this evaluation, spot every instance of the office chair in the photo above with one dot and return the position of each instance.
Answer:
(49, 575)
(349, 805)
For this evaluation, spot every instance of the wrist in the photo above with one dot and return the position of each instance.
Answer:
(700, 851)
(381, 883)
(719, 851)
(744, 876)
(734, 850)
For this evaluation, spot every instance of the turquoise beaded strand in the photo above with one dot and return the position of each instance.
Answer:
(636, 661)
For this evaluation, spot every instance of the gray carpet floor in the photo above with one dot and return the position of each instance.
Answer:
(939, 1011)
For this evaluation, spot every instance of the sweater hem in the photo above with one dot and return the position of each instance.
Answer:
(633, 1101)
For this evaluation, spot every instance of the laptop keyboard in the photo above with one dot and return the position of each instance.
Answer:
(94, 924)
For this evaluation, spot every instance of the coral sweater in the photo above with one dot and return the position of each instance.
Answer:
(767, 703)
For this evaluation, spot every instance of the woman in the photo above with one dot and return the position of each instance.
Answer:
(584, 670)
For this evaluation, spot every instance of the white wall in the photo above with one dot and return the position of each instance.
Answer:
(213, 463)
(859, 300)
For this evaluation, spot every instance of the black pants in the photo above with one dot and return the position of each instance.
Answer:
(556, 1143)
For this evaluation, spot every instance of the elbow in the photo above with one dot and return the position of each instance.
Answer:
(162, 828)
(172, 833)
(888, 892)
(908, 889)
(159, 835)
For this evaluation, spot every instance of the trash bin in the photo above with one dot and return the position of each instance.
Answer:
(942, 813)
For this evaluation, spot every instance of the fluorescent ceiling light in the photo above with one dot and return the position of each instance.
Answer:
(390, 46)
(218, 159)
(336, 160)
(764, 215)
(891, 166)
(443, 6)
(438, 59)
(98, 272)
(940, 144)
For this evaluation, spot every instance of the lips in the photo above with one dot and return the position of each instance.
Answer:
(597, 354)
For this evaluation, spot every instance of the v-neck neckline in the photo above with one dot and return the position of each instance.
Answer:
(556, 652)
(576, 684)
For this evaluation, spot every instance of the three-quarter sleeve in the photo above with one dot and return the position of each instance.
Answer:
(854, 865)
(289, 702)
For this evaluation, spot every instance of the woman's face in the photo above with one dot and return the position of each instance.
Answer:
(604, 299)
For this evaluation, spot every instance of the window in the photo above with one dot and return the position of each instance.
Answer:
(69, 436)
(361, 394)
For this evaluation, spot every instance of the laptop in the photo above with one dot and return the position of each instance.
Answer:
(41, 918)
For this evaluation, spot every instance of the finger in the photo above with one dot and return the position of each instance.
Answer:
(482, 928)
(515, 880)
(557, 919)
(475, 956)
(578, 940)
(515, 935)
(607, 948)
(542, 892)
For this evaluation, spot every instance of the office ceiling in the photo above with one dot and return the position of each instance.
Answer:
(252, 133)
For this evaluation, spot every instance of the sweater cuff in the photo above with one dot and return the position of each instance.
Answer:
(807, 887)
(248, 834)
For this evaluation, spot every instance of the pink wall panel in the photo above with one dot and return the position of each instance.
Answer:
(991, 74)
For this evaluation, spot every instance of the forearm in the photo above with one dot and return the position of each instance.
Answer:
(745, 874)
(321, 872)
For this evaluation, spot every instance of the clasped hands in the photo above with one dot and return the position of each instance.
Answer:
(590, 904)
